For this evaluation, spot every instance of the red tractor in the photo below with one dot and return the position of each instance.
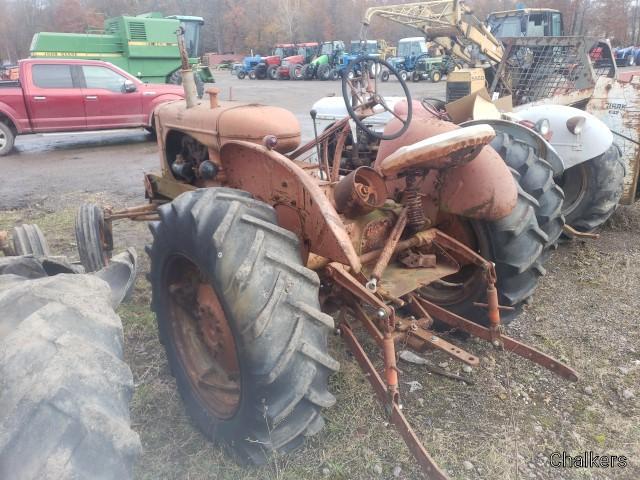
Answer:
(268, 66)
(291, 67)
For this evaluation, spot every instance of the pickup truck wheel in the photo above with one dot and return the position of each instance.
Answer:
(7, 138)
(240, 319)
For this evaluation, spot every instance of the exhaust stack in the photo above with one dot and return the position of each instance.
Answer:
(188, 79)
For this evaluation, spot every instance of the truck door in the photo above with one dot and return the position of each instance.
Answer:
(54, 98)
(111, 100)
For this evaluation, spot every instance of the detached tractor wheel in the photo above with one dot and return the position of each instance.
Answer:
(535, 176)
(176, 79)
(252, 75)
(436, 76)
(241, 74)
(384, 76)
(7, 139)
(93, 238)
(28, 239)
(514, 244)
(239, 316)
(592, 190)
(272, 72)
(65, 386)
(296, 71)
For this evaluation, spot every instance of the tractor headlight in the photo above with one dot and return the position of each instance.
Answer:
(543, 127)
(576, 124)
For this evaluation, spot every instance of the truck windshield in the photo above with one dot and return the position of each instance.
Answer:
(192, 37)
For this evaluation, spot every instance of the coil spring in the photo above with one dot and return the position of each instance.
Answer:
(415, 214)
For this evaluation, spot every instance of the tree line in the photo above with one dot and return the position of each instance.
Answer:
(239, 26)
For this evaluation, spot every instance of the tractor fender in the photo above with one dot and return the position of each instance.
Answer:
(301, 205)
(530, 137)
(594, 139)
(482, 189)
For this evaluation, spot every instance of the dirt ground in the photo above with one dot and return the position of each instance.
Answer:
(503, 426)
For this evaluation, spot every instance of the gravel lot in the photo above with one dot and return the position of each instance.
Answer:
(504, 426)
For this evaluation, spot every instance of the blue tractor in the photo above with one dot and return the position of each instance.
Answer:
(409, 50)
(248, 67)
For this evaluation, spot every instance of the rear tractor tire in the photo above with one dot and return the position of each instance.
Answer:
(592, 190)
(93, 238)
(28, 239)
(239, 316)
(535, 176)
(514, 244)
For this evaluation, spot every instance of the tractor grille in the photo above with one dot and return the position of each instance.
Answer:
(138, 31)
(456, 90)
(539, 68)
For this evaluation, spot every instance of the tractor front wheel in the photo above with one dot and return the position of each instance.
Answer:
(252, 75)
(404, 75)
(239, 316)
(241, 74)
(323, 72)
(592, 190)
(436, 76)
(272, 72)
(296, 71)
(384, 76)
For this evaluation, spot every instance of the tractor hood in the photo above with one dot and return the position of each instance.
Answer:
(330, 109)
(229, 121)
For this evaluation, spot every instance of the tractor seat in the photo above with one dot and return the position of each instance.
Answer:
(445, 150)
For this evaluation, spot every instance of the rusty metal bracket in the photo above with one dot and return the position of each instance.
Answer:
(571, 232)
(509, 344)
(394, 411)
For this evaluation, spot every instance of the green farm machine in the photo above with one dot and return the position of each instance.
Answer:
(144, 45)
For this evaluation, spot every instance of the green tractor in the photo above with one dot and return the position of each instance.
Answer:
(324, 66)
(433, 68)
(144, 45)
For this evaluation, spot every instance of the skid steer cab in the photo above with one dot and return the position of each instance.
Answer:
(262, 248)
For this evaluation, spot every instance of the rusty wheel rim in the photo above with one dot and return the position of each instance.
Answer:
(460, 286)
(203, 338)
(574, 185)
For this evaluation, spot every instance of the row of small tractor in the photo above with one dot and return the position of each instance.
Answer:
(329, 60)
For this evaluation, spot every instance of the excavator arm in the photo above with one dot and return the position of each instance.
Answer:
(449, 23)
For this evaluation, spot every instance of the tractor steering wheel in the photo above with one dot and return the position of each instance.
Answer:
(360, 93)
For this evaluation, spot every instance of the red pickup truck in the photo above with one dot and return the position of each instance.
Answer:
(72, 95)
